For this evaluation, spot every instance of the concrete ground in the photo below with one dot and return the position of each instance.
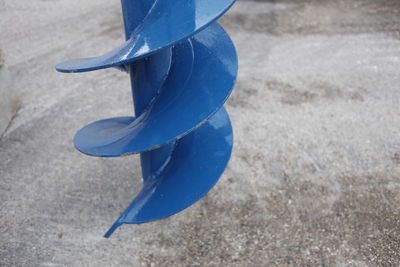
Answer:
(9, 102)
(314, 179)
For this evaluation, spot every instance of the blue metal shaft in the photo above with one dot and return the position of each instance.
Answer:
(147, 78)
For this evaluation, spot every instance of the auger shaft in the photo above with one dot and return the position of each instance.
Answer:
(182, 67)
(142, 94)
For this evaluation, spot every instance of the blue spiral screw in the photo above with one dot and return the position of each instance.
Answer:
(182, 66)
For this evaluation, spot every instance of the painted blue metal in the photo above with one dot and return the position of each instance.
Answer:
(182, 66)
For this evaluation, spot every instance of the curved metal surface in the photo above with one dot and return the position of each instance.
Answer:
(181, 73)
(185, 180)
(167, 22)
(200, 80)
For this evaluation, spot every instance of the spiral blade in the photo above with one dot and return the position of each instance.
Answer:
(167, 22)
(182, 67)
(196, 164)
(200, 80)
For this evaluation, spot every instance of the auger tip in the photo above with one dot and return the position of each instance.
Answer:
(112, 229)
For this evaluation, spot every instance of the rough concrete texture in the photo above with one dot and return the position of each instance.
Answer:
(315, 174)
(9, 102)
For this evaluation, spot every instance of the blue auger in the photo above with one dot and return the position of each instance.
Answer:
(183, 67)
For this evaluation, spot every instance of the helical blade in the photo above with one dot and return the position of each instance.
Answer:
(200, 79)
(182, 66)
(185, 180)
(167, 22)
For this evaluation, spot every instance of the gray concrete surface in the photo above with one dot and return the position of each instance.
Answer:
(9, 101)
(315, 175)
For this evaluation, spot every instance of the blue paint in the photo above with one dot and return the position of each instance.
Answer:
(167, 22)
(199, 81)
(182, 66)
(195, 166)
